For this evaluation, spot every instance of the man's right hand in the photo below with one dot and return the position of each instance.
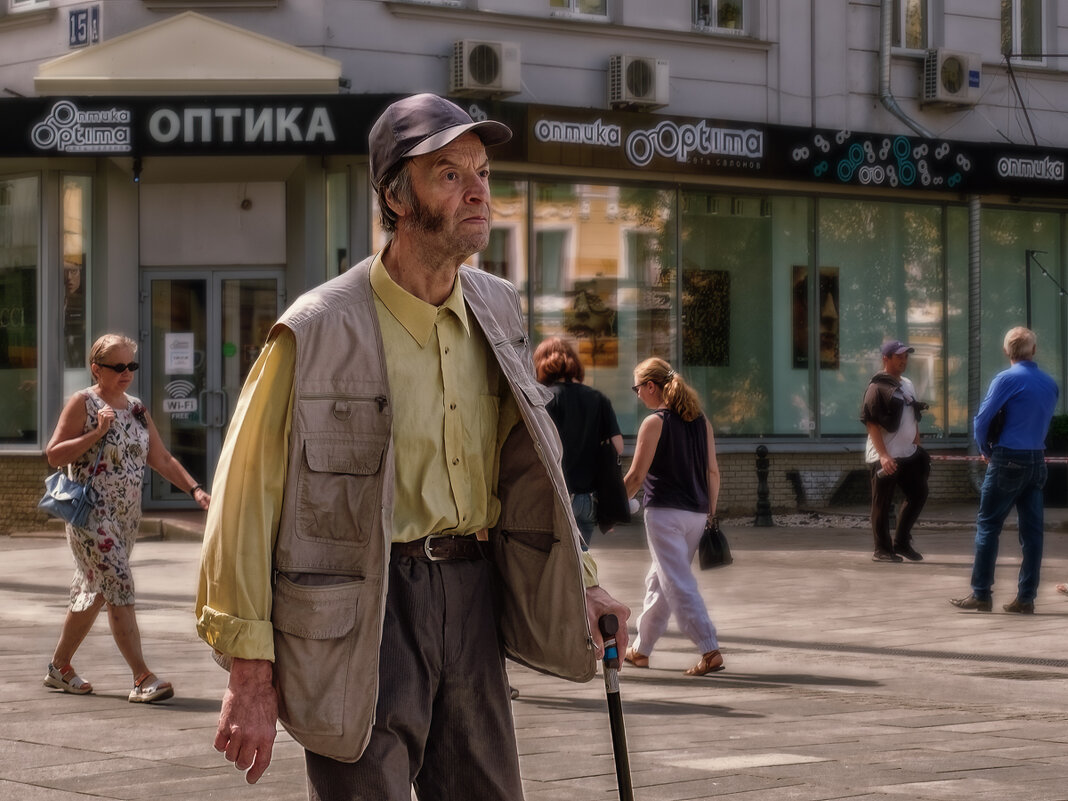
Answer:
(888, 464)
(249, 717)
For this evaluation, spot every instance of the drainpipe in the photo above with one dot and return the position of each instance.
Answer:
(886, 28)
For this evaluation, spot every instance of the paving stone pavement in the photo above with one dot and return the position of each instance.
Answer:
(845, 679)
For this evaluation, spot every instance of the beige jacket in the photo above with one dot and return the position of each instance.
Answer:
(332, 550)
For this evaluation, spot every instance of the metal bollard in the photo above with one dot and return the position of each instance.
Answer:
(763, 508)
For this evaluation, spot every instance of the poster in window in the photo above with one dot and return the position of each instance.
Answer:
(74, 310)
(595, 326)
(827, 317)
(706, 311)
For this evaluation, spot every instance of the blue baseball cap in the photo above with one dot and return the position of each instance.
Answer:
(894, 347)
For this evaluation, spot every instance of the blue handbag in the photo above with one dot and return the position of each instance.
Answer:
(68, 500)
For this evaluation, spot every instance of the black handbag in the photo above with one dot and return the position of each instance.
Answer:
(68, 500)
(613, 506)
(713, 549)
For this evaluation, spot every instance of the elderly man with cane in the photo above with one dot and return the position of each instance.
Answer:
(390, 518)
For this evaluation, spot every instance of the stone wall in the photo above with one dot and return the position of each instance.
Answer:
(21, 486)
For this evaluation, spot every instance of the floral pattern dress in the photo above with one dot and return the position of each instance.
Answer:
(102, 549)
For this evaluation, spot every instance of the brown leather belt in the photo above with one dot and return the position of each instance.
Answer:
(440, 547)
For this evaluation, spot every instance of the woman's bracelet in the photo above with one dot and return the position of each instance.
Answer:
(193, 491)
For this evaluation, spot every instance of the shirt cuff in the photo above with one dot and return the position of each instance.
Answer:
(234, 637)
(589, 570)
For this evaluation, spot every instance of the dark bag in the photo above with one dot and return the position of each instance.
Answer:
(613, 506)
(68, 500)
(713, 549)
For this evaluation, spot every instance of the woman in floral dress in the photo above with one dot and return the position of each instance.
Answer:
(105, 417)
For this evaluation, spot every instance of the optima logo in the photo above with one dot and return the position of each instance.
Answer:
(69, 130)
(673, 141)
(1046, 169)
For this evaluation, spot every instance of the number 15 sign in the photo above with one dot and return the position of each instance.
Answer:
(84, 26)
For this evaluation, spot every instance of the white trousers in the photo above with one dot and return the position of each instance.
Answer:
(670, 585)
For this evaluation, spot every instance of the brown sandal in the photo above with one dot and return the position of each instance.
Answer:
(636, 659)
(712, 662)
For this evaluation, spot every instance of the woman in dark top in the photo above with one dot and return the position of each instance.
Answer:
(675, 462)
(584, 418)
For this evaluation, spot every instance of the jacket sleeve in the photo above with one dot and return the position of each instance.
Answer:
(233, 606)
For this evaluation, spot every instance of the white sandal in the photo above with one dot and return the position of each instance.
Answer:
(148, 692)
(67, 680)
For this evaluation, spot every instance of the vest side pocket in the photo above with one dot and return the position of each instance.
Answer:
(339, 477)
(314, 642)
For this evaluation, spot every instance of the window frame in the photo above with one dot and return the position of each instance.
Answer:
(713, 14)
(900, 25)
(1015, 28)
(572, 12)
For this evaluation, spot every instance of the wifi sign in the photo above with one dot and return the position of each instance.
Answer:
(181, 400)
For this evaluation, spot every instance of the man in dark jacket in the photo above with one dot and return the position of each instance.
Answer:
(891, 414)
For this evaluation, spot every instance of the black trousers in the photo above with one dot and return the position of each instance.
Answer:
(443, 722)
(911, 476)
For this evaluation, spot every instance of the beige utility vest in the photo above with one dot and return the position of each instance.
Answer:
(332, 552)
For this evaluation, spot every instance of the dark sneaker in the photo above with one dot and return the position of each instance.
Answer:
(971, 602)
(909, 553)
(885, 556)
(1018, 607)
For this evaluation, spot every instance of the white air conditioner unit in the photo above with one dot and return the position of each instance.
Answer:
(638, 81)
(484, 69)
(952, 78)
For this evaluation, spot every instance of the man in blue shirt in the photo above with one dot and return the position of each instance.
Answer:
(1016, 471)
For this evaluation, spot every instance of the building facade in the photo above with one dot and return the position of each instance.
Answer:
(761, 191)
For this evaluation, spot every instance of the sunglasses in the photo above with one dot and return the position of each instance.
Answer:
(121, 367)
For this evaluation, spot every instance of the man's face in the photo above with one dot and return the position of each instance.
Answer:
(450, 207)
(896, 363)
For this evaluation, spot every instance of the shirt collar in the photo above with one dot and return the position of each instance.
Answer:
(417, 316)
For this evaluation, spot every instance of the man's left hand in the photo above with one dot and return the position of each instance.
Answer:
(598, 604)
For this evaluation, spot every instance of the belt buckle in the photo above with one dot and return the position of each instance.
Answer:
(426, 546)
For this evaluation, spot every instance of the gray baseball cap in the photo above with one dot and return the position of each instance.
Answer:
(422, 124)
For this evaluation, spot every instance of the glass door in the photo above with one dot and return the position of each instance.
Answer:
(202, 331)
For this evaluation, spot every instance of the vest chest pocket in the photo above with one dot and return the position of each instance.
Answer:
(338, 489)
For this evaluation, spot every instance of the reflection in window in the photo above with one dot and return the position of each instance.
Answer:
(1022, 29)
(911, 24)
(719, 14)
(19, 227)
(506, 254)
(338, 258)
(77, 257)
(889, 261)
(602, 280)
(595, 7)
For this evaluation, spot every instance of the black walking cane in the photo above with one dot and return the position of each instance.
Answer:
(609, 625)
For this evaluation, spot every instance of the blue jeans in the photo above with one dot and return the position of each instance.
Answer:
(1013, 478)
(584, 505)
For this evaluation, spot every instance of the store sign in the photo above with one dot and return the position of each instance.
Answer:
(1037, 169)
(639, 140)
(70, 129)
(241, 125)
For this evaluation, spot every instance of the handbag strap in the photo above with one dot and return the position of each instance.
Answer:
(96, 464)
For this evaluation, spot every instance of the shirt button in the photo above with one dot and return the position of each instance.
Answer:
(456, 461)
(452, 406)
(446, 350)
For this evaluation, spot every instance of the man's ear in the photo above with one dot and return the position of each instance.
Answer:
(396, 206)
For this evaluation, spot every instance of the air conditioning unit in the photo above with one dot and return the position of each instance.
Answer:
(638, 81)
(484, 69)
(951, 78)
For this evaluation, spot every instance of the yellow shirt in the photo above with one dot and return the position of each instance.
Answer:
(446, 439)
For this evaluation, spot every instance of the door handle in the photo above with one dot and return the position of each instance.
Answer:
(223, 409)
(202, 398)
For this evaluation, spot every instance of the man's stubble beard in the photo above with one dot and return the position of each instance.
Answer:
(425, 221)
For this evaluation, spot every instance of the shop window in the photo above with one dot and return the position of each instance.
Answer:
(338, 253)
(1023, 30)
(592, 8)
(77, 250)
(20, 6)
(20, 207)
(911, 24)
(887, 260)
(719, 15)
(1007, 235)
(603, 278)
(506, 254)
